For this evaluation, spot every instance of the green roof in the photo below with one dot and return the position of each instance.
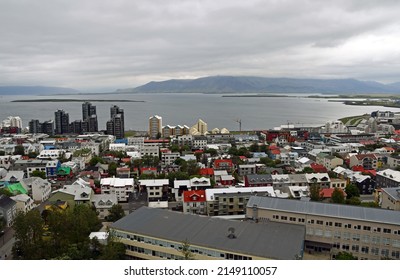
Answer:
(17, 188)
(64, 170)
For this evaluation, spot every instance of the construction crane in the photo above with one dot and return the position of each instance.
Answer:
(239, 121)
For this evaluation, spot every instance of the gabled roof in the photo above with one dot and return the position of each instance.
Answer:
(194, 196)
(6, 202)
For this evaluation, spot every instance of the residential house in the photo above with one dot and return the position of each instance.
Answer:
(40, 188)
(51, 168)
(338, 183)
(8, 209)
(64, 173)
(123, 172)
(246, 169)
(232, 201)
(194, 202)
(258, 180)
(330, 162)
(321, 179)
(367, 161)
(103, 203)
(223, 164)
(388, 178)
(122, 187)
(390, 198)
(190, 185)
(169, 158)
(24, 202)
(157, 189)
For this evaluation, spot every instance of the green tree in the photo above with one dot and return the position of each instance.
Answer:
(315, 192)
(112, 169)
(94, 160)
(185, 250)
(212, 152)
(337, 196)
(192, 167)
(29, 229)
(19, 150)
(6, 192)
(345, 256)
(32, 154)
(38, 173)
(308, 170)
(254, 147)
(352, 191)
(114, 250)
(115, 213)
(353, 201)
(2, 153)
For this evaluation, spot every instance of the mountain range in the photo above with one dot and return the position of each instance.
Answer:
(249, 84)
(35, 90)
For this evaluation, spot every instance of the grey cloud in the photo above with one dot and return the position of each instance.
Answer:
(94, 44)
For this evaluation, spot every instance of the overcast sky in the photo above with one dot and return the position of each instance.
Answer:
(105, 45)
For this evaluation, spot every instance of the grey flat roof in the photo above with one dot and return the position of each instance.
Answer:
(327, 209)
(266, 240)
(393, 192)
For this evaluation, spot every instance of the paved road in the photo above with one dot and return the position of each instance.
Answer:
(6, 244)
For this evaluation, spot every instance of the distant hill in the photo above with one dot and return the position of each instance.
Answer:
(34, 90)
(232, 84)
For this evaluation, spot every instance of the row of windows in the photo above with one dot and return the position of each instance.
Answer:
(337, 224)
(385, 253)
(178, 246)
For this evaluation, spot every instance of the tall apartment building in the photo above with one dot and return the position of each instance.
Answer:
(89, 118)
(62, 122)
(367, 233)
(46, 127)
(155, 126)
(115, 126)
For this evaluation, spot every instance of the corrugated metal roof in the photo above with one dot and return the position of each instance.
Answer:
(327, 209)
(267, 240)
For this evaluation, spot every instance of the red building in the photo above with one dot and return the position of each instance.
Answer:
(194, 202)
(223, 164)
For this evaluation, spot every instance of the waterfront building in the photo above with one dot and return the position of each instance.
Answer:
(155, 126)
(62, 122)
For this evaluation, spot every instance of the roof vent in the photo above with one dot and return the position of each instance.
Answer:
(231, 233)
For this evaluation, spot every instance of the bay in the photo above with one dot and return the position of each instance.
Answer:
(185, 109)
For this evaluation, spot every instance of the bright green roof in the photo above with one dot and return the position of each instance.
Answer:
(64, 170)
(17, 188)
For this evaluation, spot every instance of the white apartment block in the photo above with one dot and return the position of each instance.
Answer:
(122, 187)
(157, 189)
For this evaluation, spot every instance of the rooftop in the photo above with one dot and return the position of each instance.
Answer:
(266, 240)
(327, 209)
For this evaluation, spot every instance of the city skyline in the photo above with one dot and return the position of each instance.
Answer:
(100, 46)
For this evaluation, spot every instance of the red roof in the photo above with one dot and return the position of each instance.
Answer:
(126, 160)
(218, 162)
(243, 157)
(165, 151)
(363, 156)
(371, 171)
(276, 152)
(318, 168)
(327, 193)
(148, 169)
(207, 171)
(198, 151)
(194, 196)
(156, 141)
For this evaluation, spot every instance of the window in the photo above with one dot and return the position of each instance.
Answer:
(367, 228)
(337, 235)
(328, 224)
(292, 219)
(346, 235)
(355, 248)
(375, 251)
(385, 241)
(396, 254)
(365, 238)
(284, 218)
(387, 230)
(338, 224)
(356, 237)
(385, 253)
(364, 249)
(319, 222)
(346, 247)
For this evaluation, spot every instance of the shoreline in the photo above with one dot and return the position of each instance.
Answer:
(73, 100)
